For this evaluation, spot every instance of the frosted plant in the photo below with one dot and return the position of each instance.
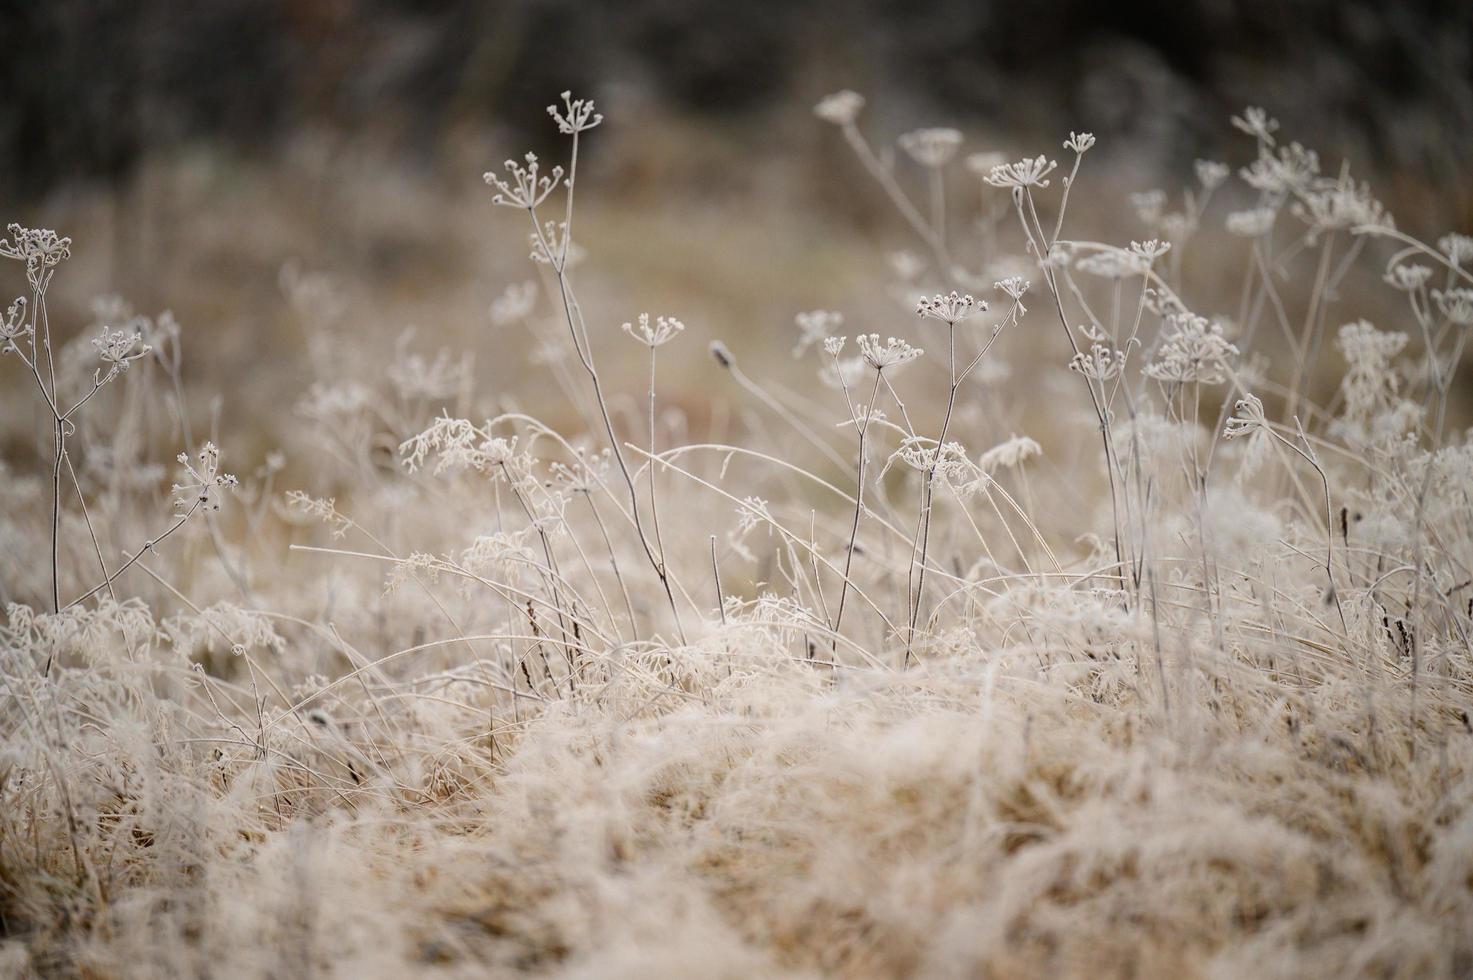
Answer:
(14, 326)
(1024, 173)
(1257, 123)
(1195, 351)
(1100, 363)
(891, 353)
(525, 186)
(575, 116)
(1149, 206)
(950, 309)
(1079, 142)
(1211, 173)
(933, 148)
(1407, 277)
(117, 348)
(1291, 170)
(814, 328)
(1458, 249)
(1009, 454)
(1455, 304)
(515, 303)
(662, 331)
(41, 249)
(1014, 287)
(204, 483)
(841, 108)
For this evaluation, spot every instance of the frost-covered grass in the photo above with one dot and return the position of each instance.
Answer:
(841, 678)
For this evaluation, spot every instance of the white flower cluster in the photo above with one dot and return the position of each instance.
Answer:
(1024, 173)
(891, 353)
(814, 328)
(41, 249)
(204, 481)
(525, 186)
(840, 108)
(119, 348)
(576, 115)
(933, 148)
(1195, 351)
(662, 331)
(950, 308)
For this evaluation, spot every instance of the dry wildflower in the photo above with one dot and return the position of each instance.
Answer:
(1211, 173)
(841, 108)
(1014, 287)
(950, 309)
(1079, 142)
(1009, 454)
(949, 461)
(1149, 205)
(1407, 276)
(1110, 264)
(1246, 419)
(14, 325)
(1455, 304)
(814, 328)
(1257, 123)
(1458, 249)
(1341, 205)
(204, 481)
(1195, 351)
(575, 116)
(1251, 223)
(1149, 251)
(891, 353)
(516, 302)
(934, 147)
(322, 509)
(1292, 170)
(552, 247)
(118, 348)
(662, 331)
(1101, 363)
(41, 249)
(833, 346)
(1024, 173)
(525, 185)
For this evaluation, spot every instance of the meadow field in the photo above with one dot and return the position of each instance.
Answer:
(1058, 577)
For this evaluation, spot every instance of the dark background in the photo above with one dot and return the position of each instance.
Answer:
(94, 86)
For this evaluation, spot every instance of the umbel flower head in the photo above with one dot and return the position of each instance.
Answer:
(1456, 305)
(891, 353)
(1247, 418)
(1015, 287)
(662, 331)
(949, 309)
(840, 108)
(933, 147)
(119, 348)
(39, 248)
(1258, 124)
(1079, 142)
(204, 480)
(14, 325)
(1024, 173)
(576, 115)
(525, 185)
(814, 327)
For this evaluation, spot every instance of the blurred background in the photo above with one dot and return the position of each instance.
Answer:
(193, 149)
